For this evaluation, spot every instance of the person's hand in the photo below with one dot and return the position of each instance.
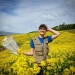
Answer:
(48, 29)
(24, 52)
(19, 52)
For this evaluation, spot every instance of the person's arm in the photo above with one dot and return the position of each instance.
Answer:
(32, 48)
(55, 33)
(30, 53)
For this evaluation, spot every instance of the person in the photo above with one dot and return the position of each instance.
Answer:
(39, 45)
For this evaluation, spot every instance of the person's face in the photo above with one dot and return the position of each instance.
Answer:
(42, 31)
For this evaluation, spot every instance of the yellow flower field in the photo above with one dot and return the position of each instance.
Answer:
(61, 59)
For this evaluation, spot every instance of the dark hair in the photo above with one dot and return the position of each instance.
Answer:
(43, 25)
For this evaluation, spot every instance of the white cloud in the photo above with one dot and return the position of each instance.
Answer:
(48, 16)
(45, 18)
(28, 14)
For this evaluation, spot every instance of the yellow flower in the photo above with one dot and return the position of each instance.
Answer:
(14, 65)
(72, 69)
(43, 63)
(20, 71)
(48, 60)
(32, 60)
(21, 59)
(19, 51)
(61, 59)
(49, 68)
(35, 65)
(47, 73)
(36, 70)
(66, 71)
(30, 71)
(59, 67)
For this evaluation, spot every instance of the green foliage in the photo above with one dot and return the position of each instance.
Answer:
(19, 43)
(64, 27)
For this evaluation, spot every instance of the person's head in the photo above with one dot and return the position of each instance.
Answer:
(42, 29)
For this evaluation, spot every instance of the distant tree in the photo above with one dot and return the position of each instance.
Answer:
(64, 26)
(73, 26)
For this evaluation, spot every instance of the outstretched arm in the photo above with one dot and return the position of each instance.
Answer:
(30, 53)
(55, 33)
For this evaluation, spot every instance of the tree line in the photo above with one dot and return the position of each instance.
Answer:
(64, 27)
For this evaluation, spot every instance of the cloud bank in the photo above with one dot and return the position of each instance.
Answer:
(25, 15)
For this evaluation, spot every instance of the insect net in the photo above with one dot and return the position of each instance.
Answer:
(10, 44)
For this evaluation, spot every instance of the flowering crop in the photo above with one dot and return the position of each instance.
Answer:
(61, 59)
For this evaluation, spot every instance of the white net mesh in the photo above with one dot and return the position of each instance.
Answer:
(10, 44)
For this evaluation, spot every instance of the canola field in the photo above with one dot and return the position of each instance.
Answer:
(61, 59)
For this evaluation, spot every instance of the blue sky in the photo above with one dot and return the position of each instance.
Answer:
(23, 16)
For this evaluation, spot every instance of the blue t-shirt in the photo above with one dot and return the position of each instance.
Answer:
(41, 40)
